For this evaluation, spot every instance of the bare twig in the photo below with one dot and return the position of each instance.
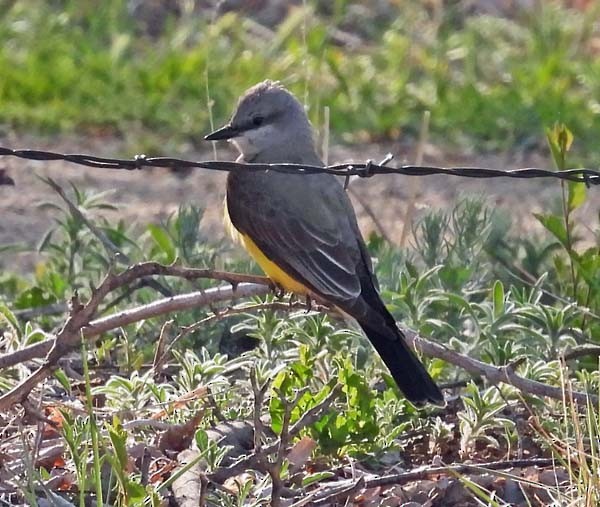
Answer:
(159, 356)
(366, 206)
(346, 488)
(76, 212)
(277, 484)
(259, 396)
(314, 413)
(372, 215)
(145, 461)
(203, 490)
(259, 461)
(142, 270)
(493, 374)
(582, 350)
(79, 322)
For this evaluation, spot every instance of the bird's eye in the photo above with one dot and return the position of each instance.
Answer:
(257, 121)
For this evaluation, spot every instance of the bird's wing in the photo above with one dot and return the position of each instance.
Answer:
(304, 224)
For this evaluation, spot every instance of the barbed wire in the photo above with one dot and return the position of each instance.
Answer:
(369, 168)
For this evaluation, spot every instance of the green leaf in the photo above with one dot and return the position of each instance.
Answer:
(201, 438)
(34, 298)
(577, 193)
(63, 379)
(498, 299)
(10, 318)
(555, 225)
(118, 438)
(164, 242)
(58, 284)
(33, 335)
(136, 493)
(45, 240)
(276, 408)
(454, 277)
(589, 268)
(560, 139)
(316, 477)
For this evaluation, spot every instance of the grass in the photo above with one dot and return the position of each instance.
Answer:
(490, 83)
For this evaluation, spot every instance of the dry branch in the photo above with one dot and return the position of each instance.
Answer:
(580, 351)
(348, 487)
(80, 325)
(258, 460)
(142, 270)
(494, 374)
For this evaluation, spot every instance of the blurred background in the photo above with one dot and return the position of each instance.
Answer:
(117, 78)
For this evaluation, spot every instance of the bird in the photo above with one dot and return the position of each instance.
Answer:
(302, 229)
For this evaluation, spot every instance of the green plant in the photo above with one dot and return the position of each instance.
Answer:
(481, 419)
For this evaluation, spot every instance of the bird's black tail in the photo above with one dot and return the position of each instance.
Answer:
(406, 369)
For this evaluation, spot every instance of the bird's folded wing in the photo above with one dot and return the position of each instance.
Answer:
(311, 239)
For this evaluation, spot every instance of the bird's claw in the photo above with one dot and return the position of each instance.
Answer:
(309, 302)
(292, 300)
(277, 290)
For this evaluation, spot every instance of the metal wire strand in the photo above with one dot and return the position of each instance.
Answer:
(587, 176)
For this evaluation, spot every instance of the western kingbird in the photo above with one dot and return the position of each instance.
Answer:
(301, 228)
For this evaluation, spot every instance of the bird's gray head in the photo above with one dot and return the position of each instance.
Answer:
(269, 125)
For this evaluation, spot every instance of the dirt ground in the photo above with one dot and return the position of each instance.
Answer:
(151, 196)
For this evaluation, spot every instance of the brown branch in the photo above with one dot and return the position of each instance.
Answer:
(277, 484)
(159, 357)
(345, 488)
(154, 309)
(582, 350)
(113, 282)
(79, 323)
(259, 396)
(258, 461)
(494, 374)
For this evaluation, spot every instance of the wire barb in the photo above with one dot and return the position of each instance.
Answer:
(140, 160)
(367, 171)
(587, 176)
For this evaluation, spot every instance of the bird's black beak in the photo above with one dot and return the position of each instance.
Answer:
(226, 132)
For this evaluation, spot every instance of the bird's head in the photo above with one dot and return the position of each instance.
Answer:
(267, 123)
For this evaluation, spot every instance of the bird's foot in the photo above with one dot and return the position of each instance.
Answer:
(309, 303)
(292, 300)
(277, 290)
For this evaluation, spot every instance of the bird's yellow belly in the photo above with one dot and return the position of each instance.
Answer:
(270, 269)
